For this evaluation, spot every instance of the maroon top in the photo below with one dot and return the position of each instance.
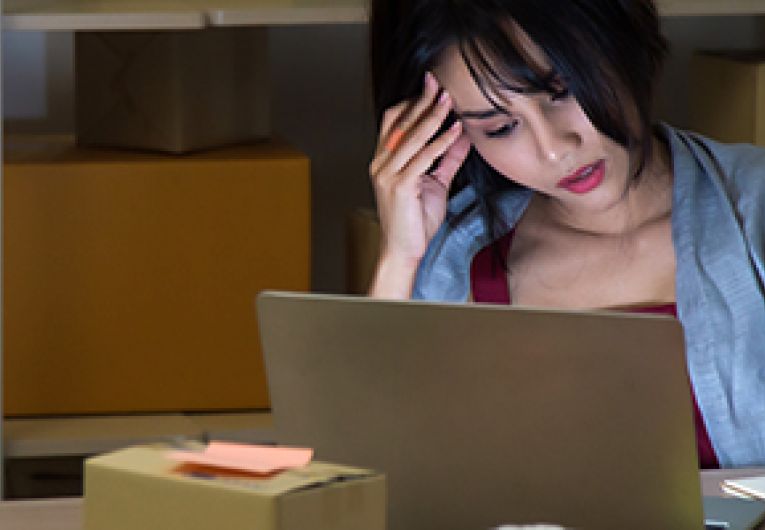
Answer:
(489, 286)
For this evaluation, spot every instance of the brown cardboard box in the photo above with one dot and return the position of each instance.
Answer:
(137, 488)
(172, 91)
(363, 249)
(727, 96)
(130, 278)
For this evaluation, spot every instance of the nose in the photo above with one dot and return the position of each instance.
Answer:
(556, 141)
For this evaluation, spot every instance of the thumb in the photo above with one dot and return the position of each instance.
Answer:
(452, 160)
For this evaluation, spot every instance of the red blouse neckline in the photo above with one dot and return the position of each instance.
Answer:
(488, 282)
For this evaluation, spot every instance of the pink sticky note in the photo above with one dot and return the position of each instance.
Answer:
(251, 458)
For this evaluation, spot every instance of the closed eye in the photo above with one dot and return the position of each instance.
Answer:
(503, 130)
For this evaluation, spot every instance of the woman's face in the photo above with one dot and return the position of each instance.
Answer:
(543, 142)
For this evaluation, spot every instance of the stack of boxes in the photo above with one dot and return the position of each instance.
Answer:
(727, 96)
(134, 252)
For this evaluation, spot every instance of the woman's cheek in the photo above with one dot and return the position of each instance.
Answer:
(505, 155)
(498, 158)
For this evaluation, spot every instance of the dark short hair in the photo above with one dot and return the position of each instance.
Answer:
(608, 54)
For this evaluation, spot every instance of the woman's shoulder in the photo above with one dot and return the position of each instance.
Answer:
(509, 204)
(723, 185)
(443, 271)
(739, 165)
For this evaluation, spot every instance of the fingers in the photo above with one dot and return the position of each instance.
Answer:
(425, 158)
(415, 140)
(399, 122)
(391, 117)
(404, 115)
(394, 138)
(451, 161)
(409, 145)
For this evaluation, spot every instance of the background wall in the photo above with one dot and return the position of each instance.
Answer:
(321, 103)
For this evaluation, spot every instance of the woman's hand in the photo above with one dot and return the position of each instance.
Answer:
(411, 201)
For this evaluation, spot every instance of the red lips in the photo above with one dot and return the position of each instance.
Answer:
(585, 179)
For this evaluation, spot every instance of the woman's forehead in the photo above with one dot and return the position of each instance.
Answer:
(453, 72)
(455, 77)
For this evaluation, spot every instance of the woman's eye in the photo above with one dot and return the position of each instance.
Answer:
(502, 131)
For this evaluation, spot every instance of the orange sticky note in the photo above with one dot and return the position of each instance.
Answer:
(261, 459)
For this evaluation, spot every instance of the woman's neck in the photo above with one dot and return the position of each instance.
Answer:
(643, 202)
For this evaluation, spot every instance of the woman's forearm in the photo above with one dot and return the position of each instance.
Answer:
(393, 279)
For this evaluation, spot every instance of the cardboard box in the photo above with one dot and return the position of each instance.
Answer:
(137, 488)
(130, 278)
(172, 91)
(363, 249)
(727, 96)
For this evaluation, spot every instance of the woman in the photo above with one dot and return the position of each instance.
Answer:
(517, 163)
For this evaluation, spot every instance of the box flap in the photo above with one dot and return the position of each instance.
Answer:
(153, 461)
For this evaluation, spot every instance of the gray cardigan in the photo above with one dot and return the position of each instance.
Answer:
(718, 231)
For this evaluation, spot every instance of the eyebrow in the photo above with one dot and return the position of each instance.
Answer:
(478, 114)
(550, 77)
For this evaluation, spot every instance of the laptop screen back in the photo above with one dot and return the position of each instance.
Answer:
(489, 415)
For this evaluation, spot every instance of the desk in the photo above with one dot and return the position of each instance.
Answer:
(66, 514)
(48, 514)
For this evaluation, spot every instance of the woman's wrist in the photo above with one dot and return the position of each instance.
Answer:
(394, 278)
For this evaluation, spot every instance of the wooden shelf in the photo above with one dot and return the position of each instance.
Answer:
(107, 15)
(710, 7)
(95, 15)
(65, 436)
(282, 12)
(99, 15)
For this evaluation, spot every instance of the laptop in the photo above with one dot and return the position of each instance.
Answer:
(482, 416)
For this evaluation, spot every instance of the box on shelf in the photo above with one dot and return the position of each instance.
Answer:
(363, 249)
(140, 487)
(171, 91)
(130, 278)
(727, 96)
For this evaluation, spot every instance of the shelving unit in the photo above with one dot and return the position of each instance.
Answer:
(710, 7)
(64, 436)
(67, 436)
(95, 15)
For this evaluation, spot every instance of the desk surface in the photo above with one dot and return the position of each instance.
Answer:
(53, 514)
(66, 514)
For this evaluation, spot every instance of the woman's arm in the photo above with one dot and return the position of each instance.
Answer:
(411, 201)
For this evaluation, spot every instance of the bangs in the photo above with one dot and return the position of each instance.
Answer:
(495, 51)
(606, 54)
(496, 62)
(592, 49)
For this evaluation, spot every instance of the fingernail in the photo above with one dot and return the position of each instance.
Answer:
(429, 79)
(457, 125)
(444, 98)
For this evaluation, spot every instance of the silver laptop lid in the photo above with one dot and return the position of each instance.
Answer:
(490, 415)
